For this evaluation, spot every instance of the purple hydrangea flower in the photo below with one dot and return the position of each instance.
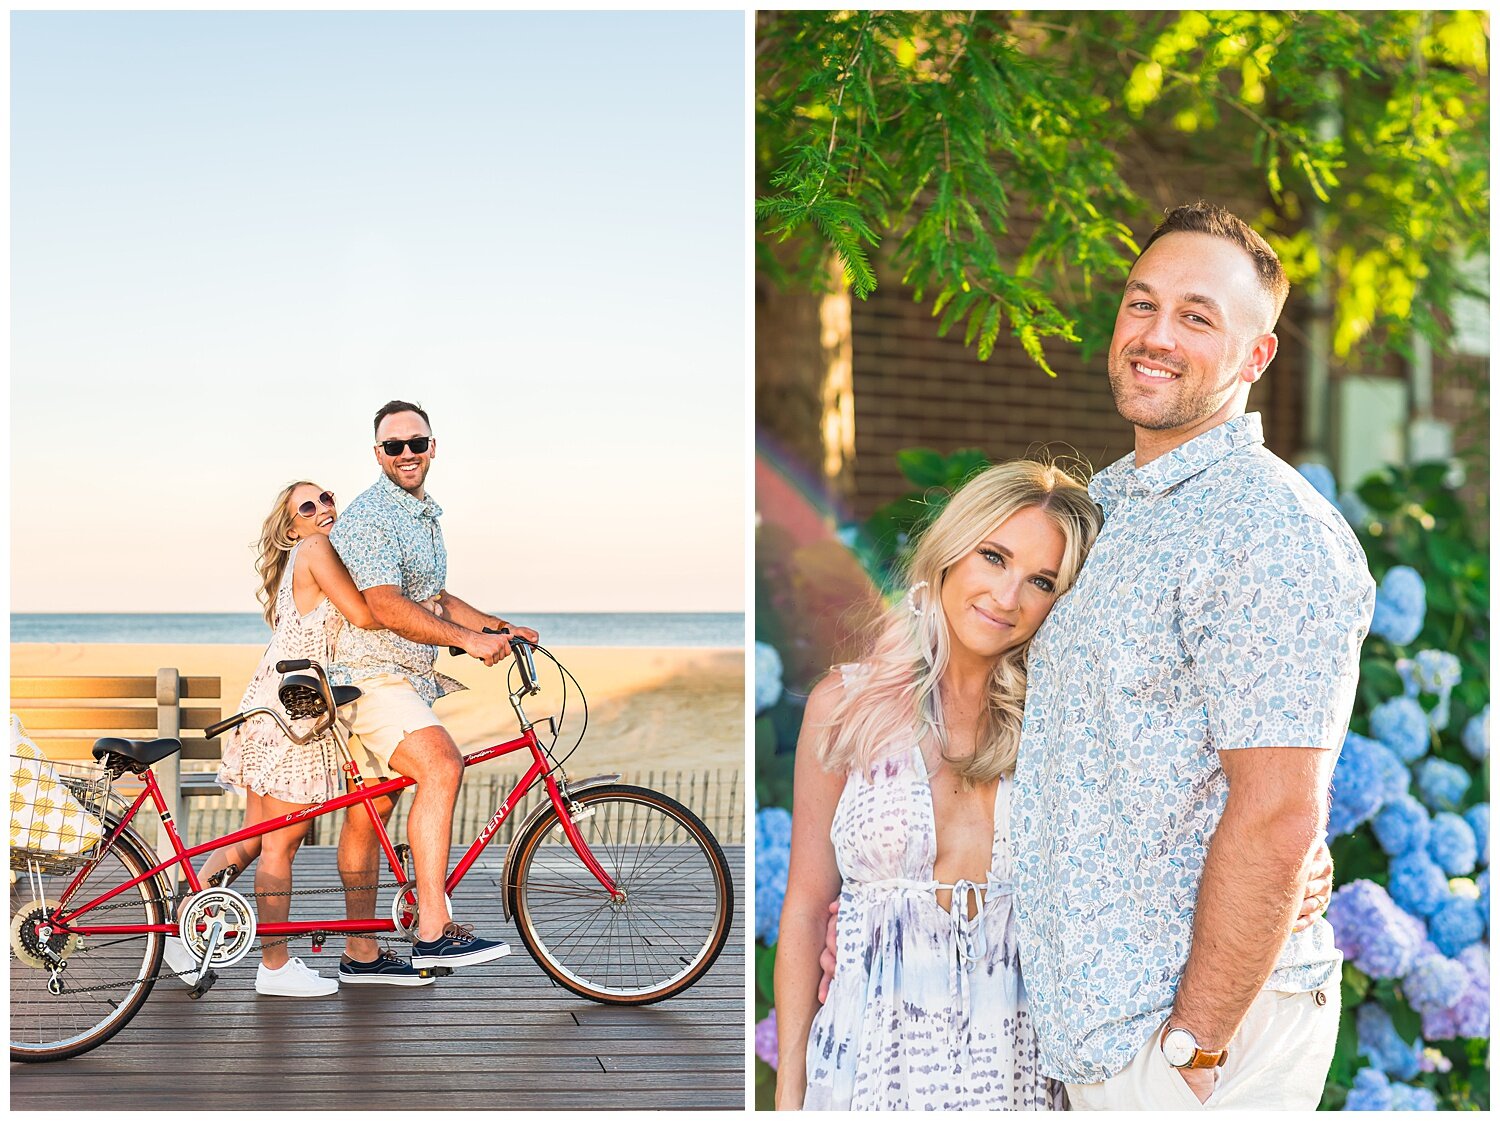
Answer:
(1442, 784)
(1470, 1017)
(1371, 1091)
(1383, 1046)
(1376, 936)
(1401, 725)
(1478, 818)
(1476, 737)
(1360, 780)
(1434, 982)
(1321, 479)
(1456, 925)
(1452, 844)
(1406, 1097)
(1400, 606)
(1437, 671)
(1417, 884)
(1402, 826)
(773, 850)
(765, 1041)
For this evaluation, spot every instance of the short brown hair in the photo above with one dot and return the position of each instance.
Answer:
(400, 407)
(1208, 218)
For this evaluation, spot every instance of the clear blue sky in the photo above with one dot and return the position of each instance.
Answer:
(234, 236)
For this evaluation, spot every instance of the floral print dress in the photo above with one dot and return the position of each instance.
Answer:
(926, 1009)
(257, 755)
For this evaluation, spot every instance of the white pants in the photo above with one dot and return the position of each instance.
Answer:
(1278, 1059)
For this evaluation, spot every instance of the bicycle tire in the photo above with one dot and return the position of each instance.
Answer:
(679, 897)
(46, 1028)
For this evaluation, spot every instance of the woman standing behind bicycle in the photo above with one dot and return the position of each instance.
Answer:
(307, 596)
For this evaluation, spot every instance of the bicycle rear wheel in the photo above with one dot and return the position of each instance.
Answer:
(675, 915)
(108, 976)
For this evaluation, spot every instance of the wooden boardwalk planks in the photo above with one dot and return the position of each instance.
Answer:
(496, 1036)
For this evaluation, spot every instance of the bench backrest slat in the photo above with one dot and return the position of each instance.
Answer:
(88, 688)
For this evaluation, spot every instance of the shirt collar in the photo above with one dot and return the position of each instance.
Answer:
(1122, 478)
(416, 507)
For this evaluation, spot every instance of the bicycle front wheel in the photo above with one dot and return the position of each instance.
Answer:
(107, 977)
(672, 921)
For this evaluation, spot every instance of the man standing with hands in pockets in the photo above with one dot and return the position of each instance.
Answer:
(390, 540)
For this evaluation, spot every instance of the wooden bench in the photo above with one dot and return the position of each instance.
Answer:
(65, 715)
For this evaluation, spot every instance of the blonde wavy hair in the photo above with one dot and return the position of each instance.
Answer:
(273, 549)
(897, 696)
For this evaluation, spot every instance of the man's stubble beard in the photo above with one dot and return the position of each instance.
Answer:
(1178, 410)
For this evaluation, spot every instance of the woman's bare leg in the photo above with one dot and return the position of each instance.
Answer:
(273, 876)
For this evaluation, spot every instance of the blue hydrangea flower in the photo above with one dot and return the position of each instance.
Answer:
(1402, 826)
(1321, 479)
(1478, 818)
(1402, 726)
(1434, 982)
(1360, 779)
(767, 676)
(1440, 715)
(1436, 671)
(1353, 507)
(1383, 1046)
(1408, 671)
(1417, 884)
(1376, 936)
(1400, 606)
(1395, 778)
(1470, 1017)
(1452, 845)
(1456, 925)
(773, 851)
(1482, 882)
(1476, 737)
(1371, 1091)
(1406, 1097)
(1442, 784)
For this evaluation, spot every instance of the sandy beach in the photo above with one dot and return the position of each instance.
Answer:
(656, 707)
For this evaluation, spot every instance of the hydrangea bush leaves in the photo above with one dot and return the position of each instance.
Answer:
(1409, 820)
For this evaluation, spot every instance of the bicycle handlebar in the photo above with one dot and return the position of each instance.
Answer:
(520, 649)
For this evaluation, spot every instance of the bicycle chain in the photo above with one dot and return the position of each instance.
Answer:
(159, 974)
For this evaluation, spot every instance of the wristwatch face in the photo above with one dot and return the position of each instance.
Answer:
(1178, 1047)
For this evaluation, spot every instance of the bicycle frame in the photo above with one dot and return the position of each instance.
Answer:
(65, 918)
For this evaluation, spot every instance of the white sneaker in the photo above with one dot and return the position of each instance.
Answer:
(180, 960)
(293, 979)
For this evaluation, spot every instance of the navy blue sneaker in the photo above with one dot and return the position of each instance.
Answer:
(458, 946)
(387, 969)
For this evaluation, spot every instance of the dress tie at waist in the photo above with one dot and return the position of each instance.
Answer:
(972, 944)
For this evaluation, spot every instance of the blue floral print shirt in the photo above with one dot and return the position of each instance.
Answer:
(1222, 608)
(388, 536)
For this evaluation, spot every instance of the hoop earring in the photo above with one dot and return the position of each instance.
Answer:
(915, 608)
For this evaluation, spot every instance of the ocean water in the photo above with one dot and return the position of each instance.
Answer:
(721, 629)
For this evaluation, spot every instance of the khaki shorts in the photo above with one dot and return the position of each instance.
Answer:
(1279, 1059)
(387, 711)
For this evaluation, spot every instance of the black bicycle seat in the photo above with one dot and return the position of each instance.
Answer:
(140, 753)
(300, 695)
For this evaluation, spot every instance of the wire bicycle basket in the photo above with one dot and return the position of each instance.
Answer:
(57, 811)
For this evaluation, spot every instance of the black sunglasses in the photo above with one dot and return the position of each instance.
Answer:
(308, 508)
(418, 445)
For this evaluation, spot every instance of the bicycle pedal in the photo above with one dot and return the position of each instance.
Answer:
(205, 983)
(436, 971)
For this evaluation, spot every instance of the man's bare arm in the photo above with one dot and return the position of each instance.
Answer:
(395, 612)
(1252, 885)
(466, 616)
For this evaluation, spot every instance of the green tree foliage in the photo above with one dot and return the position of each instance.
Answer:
(991, 146)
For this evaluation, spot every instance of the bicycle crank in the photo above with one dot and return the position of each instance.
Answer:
(217, 925)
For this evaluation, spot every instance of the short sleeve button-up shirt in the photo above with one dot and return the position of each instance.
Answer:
(1223, 607)
(388, 536)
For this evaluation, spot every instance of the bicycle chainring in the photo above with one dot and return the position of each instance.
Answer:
(230, 912)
